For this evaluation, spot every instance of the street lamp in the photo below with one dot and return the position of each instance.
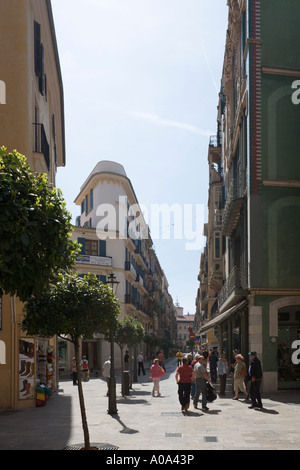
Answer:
(112, 397)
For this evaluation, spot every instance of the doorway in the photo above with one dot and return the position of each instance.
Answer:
(288, 332)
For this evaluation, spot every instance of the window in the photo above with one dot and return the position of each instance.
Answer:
(86, 205)
(37, 49)
(217, 245)
(91, 247)
(39, 59)
(91, 199)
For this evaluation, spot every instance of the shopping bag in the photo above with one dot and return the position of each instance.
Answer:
(211, 393)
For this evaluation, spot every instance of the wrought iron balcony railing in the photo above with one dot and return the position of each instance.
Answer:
(236, 282)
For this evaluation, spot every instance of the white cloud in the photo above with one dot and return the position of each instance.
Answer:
(159, 121)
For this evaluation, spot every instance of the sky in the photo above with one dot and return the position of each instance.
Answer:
(141, 81)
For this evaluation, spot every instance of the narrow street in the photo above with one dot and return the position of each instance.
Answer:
(152, 423)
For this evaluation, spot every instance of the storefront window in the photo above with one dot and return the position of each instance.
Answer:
(288, 333)
(236, 343)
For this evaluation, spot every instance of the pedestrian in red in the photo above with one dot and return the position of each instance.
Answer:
(184, 377)
(156, 372)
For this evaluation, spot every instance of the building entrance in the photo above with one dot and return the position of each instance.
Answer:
(288, 333)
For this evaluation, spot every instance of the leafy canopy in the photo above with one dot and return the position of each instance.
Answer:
(128, 331)
(75, 306)
(35, 229)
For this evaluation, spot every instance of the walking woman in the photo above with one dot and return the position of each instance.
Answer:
(156, 372)
(240, 372)
(184, 377)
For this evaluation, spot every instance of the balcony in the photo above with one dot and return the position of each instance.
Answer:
(95, 260)
(234, 202)
(140, 280)
(129, 299)
(234, 288)
(129, 267)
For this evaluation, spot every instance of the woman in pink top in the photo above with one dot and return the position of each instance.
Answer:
(156, 372)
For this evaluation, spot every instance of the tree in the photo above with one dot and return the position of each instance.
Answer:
(35, 229)
(152, 343)
(126, 334)
(73, 308)
(136, 337)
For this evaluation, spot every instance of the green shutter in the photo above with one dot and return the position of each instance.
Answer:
(102, 248)
(82, 242)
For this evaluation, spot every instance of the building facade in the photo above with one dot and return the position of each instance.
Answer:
(114, 237)
(32, 122)
(258, 116)
(185, 325)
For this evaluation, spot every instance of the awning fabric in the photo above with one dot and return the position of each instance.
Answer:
(222, 317)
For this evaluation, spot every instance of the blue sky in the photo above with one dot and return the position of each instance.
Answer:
(141, 81)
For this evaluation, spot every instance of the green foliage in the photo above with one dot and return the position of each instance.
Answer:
(35, 229)
(75, 306)
(128, 331)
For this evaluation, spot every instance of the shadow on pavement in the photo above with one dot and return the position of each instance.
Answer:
(125, 429)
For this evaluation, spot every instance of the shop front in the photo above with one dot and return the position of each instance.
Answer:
(288, 363)
(36, 367)
(232, 330)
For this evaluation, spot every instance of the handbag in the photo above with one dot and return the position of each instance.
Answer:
(211, 393)
(244, 372)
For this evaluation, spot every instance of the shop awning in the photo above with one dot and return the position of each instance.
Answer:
(222, 317)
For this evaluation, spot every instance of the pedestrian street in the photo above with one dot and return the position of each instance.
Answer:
(152, 423)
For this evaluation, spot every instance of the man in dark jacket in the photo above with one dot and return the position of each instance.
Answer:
(255, 373)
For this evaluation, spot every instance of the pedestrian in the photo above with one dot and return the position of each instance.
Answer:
(256, 375)
(201, 379)
(179, 356)
(184, 377)
(231, 372)
(140, 359)
(189, 358)
(240, 372)
(84, 369)
(156, 372)
(74, 371)
(160, 357)
(193, 386)
(213, 359)
(106, 373)
(126, 361)
(222, 372)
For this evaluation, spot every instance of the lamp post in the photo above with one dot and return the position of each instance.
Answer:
(112, 397)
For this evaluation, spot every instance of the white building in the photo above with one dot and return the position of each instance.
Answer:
(115, 238)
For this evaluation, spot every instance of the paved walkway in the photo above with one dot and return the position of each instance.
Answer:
(151, 423)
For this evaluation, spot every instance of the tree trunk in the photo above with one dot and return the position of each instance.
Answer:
(135, 364)
(81, 398)
(122, 371)
(130, 364)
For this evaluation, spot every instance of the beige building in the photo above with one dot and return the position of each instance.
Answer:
(185, 325)
(32, 122)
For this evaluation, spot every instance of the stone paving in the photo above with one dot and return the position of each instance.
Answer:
(152, 423)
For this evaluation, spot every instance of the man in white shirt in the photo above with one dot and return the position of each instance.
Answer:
(106, 373)
(140, 359)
